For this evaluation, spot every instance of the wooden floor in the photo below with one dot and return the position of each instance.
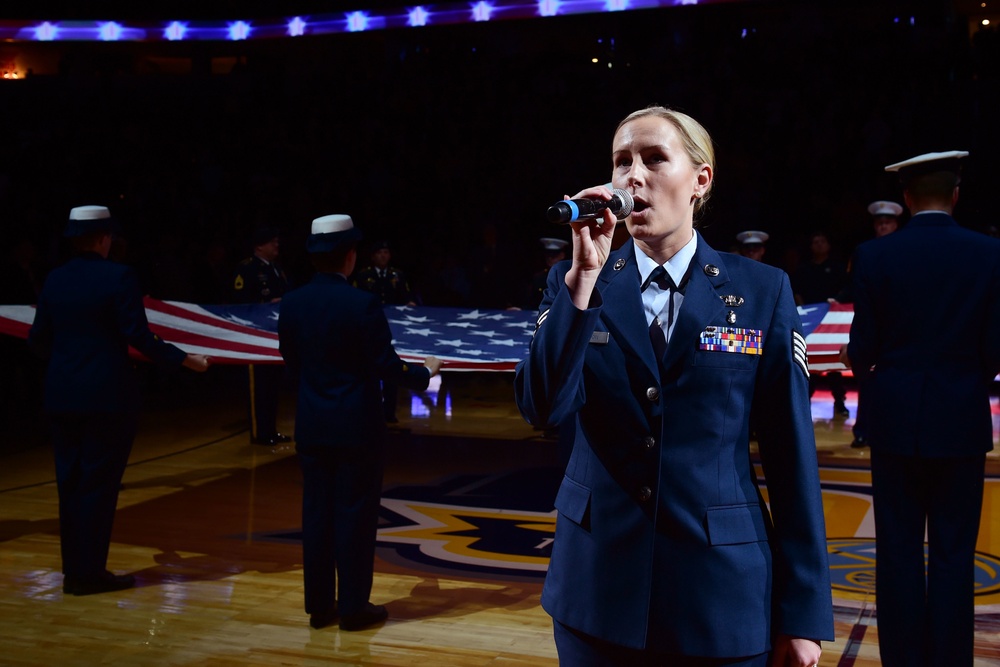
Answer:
(204, 521)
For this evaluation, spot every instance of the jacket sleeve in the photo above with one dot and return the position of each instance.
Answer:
(992, 350)
(802, 601)
(548, 385)
(862, 344)
(131, 316)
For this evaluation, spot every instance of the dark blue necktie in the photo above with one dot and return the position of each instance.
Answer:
(656, 336)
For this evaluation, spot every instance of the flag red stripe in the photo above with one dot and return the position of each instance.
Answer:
(170, 309)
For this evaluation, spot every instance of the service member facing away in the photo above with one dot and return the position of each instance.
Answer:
(89, 312)
(924, 344)
(336, 338)
(665, 552)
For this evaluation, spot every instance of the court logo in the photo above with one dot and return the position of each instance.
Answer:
(492, 526)
(852, 569)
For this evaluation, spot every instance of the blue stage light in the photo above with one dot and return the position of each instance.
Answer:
(418, 17)
(481, 11)
(357, 22)
(46, 32)
(110, 31)
(175, 31)
(296, 27)
(548, 7)
(239, 30)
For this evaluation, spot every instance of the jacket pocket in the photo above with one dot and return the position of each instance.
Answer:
(728, 360)
(573, 502)
(735, 524)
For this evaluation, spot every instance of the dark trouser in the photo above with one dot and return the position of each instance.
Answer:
(265, 391)
(926, 618)
(578, 649)
(341, 491)
(860, 428)
(91, 452)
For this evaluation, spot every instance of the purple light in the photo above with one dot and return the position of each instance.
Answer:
(46, 32)
(548, 7)
(357, 22)
(239, 30)
(296, 27)
(175, 31)
(418, 17)
(110, 31)
(481, 11)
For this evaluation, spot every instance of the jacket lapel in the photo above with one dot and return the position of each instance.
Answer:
(619, 289)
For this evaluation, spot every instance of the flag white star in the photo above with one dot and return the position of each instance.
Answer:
(474, 315)
(488, 334)
(507, 342)
(421, 332)
(460, 325)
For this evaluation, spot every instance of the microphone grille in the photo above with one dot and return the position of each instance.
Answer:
(627, 203)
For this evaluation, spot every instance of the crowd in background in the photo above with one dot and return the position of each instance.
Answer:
(450, 143)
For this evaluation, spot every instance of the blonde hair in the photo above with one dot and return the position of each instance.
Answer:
(696, 139)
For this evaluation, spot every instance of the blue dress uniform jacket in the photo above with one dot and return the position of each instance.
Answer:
(663, 540)
(89, 312)
(338, 340)
(931, 383)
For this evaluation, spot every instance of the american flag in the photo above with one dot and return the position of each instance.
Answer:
(465, 339)
(827, 327)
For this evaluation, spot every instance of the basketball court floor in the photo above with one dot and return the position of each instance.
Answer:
(209, 525)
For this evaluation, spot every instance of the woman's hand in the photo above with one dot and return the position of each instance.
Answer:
(795, 652)
(591, 247)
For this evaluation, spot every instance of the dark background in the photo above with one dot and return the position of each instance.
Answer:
(440, 137)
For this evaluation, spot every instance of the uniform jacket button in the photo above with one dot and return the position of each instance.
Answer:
(653, 394)
(645, 493)
(649, 441)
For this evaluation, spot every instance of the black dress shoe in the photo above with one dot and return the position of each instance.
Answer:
(370, 614)
(840, 410)
(859, 443)
(102, 584)
(323, 619)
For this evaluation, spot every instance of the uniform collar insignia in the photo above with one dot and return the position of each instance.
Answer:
(732, 300)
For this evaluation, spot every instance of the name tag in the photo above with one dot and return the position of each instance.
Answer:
(731, 339)
(600, 337)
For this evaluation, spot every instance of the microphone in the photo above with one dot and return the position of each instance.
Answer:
(571, 210)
